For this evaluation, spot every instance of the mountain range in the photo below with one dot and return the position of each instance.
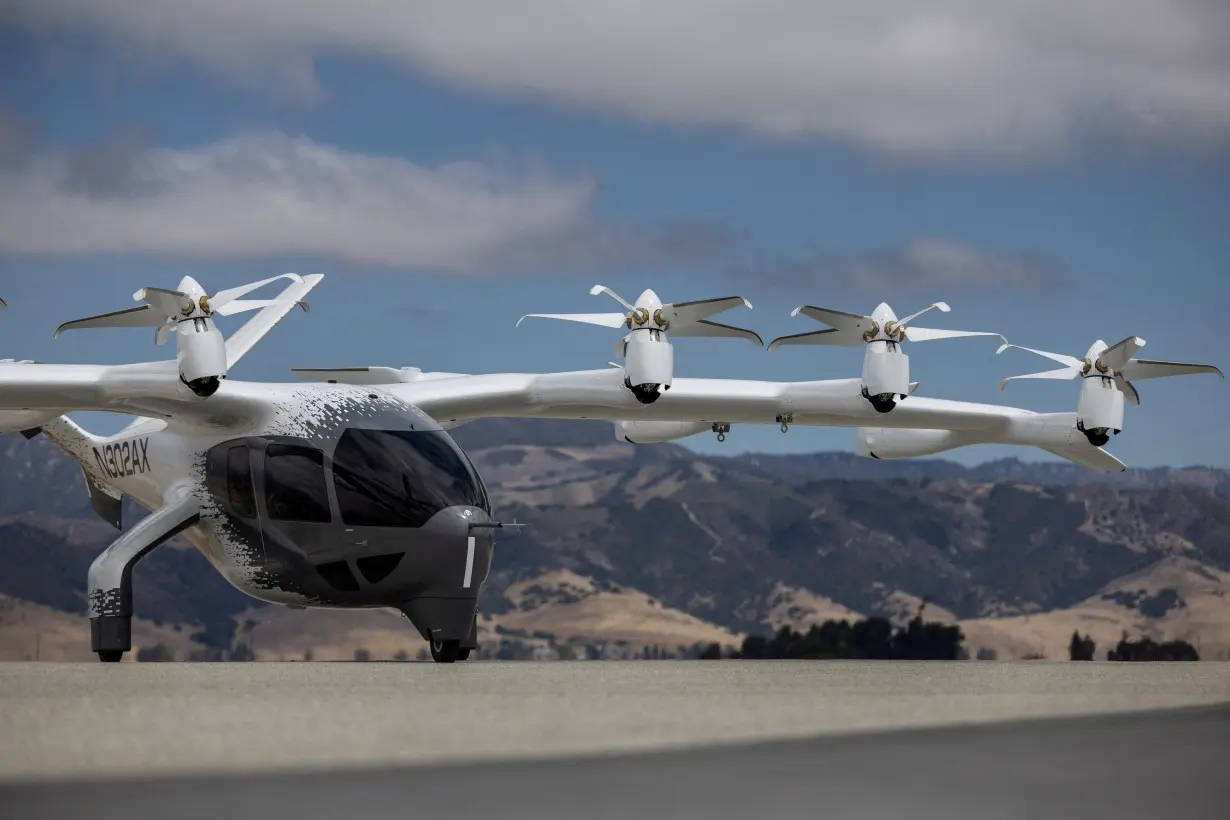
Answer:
(658, 545)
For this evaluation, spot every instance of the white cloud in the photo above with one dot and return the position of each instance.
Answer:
(262, 194)
(992, 79)
(925, 266)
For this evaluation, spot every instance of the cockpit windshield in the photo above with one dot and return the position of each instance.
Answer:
(401, 478)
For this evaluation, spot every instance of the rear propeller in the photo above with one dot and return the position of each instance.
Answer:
(649, 313)
(854, 330)
(164, 309)
(1114, 362)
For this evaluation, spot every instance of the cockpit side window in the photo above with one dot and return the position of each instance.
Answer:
(295, 484)
(401, 478)
(239, 490)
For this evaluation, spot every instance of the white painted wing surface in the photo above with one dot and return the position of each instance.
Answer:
(600, 394)
(66, 387)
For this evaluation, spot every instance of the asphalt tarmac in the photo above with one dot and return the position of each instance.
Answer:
(598, 739)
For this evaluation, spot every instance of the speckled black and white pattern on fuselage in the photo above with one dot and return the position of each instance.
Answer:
(282, 561)
(307, 563)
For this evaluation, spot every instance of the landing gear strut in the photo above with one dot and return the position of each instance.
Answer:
(110, 577)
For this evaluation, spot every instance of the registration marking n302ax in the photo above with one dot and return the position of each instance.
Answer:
(124, 458)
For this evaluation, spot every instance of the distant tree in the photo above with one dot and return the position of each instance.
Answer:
(362, 655)
(1148, 650)
(872, 638)
(402, 655)
(155, 653)
(987, 654)
(566, 652)
(307, 654)
(1034, 656)
(421, 655)
(712, 652)
(241, 652)
(1081, 649)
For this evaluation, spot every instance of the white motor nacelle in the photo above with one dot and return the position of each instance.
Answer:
(652, 432)
(888, 442)
(886, 375)
(201, 355)
(649, 364)
(1099, 414)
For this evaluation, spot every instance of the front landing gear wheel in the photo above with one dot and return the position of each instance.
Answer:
(463, 653)
(110, 655)
(445, 651)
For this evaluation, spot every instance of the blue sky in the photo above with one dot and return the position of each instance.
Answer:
(451, 173)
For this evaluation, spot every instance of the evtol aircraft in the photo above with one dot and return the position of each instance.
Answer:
(346, 490)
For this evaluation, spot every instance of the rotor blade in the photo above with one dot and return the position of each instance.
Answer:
(1065, 373)
(688, 312)
(253, 330)
(1092, 457)
(596, 289)
(621, 348)
(1127, 389)
(832, 337)
(244, 305)
(163, 331)
(1070, 361)
(835, 318)
(704, 327)
(167, 302)
(603, 319)
(943, 308)
(225, 297)
(926, 334)
(1116, 356)
(1137, 369)
(142, 316)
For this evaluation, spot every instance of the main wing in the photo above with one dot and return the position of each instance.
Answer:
(601, 394)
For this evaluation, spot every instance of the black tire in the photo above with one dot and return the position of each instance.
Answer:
(445, 651)
(463, 653)
(110, 655)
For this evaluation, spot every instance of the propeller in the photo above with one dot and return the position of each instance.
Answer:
(649, 313)
(854, 330)
(3, 303)
(164, 309)
(1114, 362)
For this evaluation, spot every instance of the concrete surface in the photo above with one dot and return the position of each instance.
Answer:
(1121, 767)
(162, 720)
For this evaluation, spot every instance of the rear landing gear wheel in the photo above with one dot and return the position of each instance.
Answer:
(445, 651)
(463, 653)
(110, 655)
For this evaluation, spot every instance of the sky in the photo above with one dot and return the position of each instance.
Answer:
(1058, 172)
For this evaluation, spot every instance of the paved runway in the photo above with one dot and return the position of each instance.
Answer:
(147, 740)
(1120, 767)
